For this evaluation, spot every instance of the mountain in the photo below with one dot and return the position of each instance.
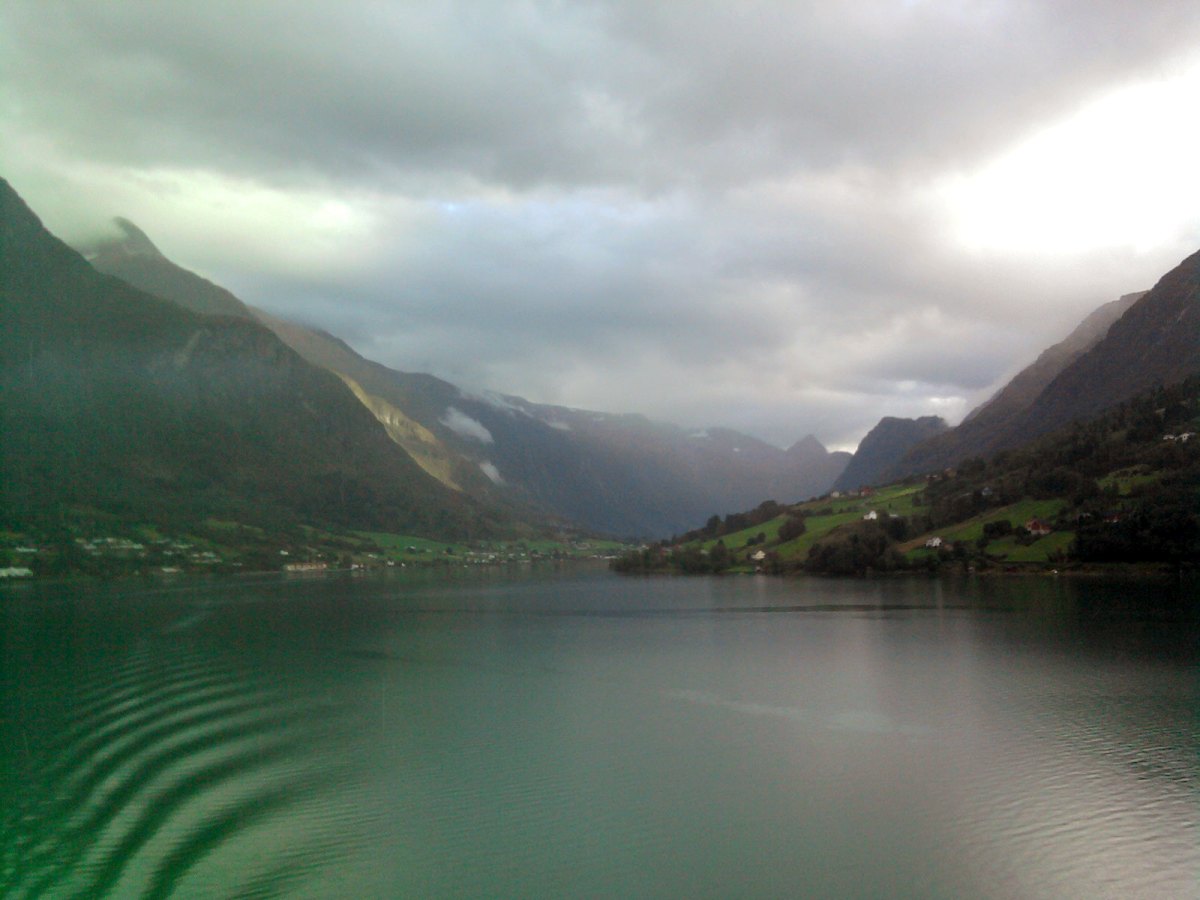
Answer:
(1000, 421)
(133, 258)
(1035, 378)
(820, 467)
(1156, 342)
(614, 473)
(618, 474)
(1122, 487)
(117, 404)
(884, 446)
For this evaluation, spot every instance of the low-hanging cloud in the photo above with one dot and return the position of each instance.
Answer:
(462, 424)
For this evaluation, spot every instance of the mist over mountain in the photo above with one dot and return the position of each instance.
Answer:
(1157, 341)
(613, 473)
(117, 403)
(132, 257)
(1154, 341)
(1002, 420)
(425, 451)
(1025, 386)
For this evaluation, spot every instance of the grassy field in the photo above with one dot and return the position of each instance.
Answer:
(1126, 480)
(818, 526)
(735, 541)
(972, 529)
(1040, 551)
(822, 516)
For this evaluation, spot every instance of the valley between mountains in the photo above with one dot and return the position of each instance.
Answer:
(154, 421)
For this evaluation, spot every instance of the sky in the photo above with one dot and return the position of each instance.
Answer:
(781, 217)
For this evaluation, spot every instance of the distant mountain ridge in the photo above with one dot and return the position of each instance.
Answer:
(618, 474)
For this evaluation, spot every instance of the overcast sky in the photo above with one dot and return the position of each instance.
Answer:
(782, 217)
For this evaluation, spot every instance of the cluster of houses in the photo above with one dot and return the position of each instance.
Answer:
(306, 567)
(111, 545)
(126, 548)
(1181, 438)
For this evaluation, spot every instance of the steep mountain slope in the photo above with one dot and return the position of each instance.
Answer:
(621, 474)
(1035, 378)
(1156, 342)
(999, 422)
(884, 446)
(114, 402)
(133, 258)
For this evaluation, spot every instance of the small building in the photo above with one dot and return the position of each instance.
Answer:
(759, 556)
(871, 516)
(1037, 527)
(934, 543)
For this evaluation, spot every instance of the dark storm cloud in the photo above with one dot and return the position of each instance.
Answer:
(710, 212)
(537, 93)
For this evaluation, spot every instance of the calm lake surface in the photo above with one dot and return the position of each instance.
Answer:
(580, 734)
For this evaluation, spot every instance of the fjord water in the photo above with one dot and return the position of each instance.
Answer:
(580, 734)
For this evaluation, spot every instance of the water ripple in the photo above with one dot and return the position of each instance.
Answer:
(155, 769)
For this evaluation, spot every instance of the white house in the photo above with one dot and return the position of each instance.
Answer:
(933, 543)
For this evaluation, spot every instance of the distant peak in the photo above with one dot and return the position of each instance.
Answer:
(808, 446)
(134, 240)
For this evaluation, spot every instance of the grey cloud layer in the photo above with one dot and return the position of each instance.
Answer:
(568, 94)
(715, 213)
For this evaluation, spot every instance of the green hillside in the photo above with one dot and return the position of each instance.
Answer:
(1122, 488)
(123, 415)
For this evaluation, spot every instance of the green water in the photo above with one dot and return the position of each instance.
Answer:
(579, 734)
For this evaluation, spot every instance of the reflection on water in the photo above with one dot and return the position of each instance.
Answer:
(580, 734)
